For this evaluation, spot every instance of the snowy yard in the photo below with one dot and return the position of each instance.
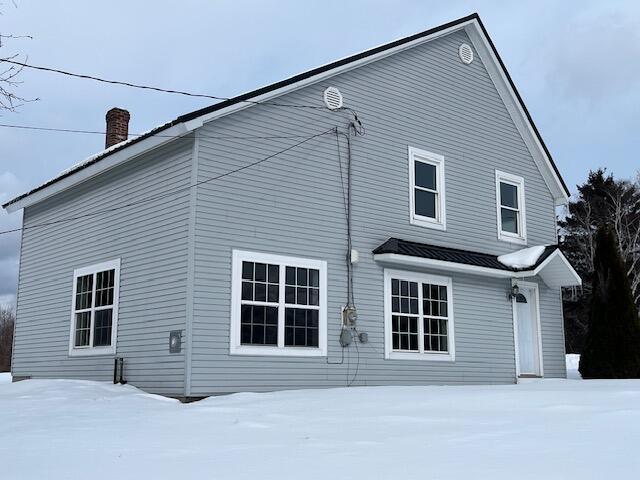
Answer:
(547, 429)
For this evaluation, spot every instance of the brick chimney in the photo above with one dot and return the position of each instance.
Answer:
(117, 126)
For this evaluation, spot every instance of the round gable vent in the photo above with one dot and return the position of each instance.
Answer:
(332, 98)
(466, 53)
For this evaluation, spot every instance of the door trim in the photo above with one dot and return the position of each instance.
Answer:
(536, 296)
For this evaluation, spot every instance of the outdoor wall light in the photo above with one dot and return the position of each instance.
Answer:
(515, 293)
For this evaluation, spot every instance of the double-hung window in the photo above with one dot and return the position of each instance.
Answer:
(279, 305)
(426, 189)
(94, 310)
(418, 316)
(511, 211)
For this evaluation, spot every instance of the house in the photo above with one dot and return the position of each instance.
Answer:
(386, 219)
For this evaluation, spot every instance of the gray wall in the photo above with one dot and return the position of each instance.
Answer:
(151, 241)
(293, 205)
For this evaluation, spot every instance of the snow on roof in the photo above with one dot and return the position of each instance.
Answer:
(527, 257)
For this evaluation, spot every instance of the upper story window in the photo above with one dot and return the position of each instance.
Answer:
(418, 316)
(94, 312)
(279, 305)
(511, 208)
(426, 179)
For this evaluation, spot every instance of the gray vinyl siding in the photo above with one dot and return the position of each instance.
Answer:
(149, 238)
(293, 205)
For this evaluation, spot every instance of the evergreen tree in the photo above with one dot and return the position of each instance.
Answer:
(612, 346)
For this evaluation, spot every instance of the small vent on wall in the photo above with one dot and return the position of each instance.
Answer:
(332, 98)
(466, 53)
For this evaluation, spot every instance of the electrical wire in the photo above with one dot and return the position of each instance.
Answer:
(97, 132)
(148, 87)
(171, 192)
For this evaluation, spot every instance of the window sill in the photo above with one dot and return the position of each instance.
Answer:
(428, 223)
(430, 357)
(512, 239)
(277, 352)
(89, 352)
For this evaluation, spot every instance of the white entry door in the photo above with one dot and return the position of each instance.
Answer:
(527, 329)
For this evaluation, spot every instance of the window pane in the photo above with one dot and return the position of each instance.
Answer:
(259, 325)
(404, 332)
(102, 329)
(314, 278)
(247, 291)
(247, 270)
(261, 272)
(290, 276)
(84, 289)
(261, 292)
(274, 273)
(83, 327)
(425, 175)
(314, 296)
(509, 220)
(290, 294)
(508, 195)
(104, 288)
(425, 203)
(301, 327)
(302, 276)
(273, 293)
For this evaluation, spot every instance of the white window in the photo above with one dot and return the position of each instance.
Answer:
(279, 305)
(94, 309)
(426, 189)
(418, 316)
(511, 211)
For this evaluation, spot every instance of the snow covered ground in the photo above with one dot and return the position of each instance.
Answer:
(551, 429)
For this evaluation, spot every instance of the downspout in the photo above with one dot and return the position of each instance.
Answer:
(191, 241)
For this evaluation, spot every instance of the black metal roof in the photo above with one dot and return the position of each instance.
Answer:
(455, 255)
(302, 76)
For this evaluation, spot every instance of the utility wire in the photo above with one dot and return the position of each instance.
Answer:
(97, 132)
(171, 192)
(148, 87)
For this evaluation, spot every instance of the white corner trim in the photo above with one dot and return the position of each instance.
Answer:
(518, 182)
(440, 222)
(389, 353)
(235, 346)
(89, 350)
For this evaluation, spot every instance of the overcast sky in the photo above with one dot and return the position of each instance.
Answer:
(577, 65)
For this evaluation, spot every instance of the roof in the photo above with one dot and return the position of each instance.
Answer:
(455, 255)
(249, 96)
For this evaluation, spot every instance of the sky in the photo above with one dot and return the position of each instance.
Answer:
(575, 64)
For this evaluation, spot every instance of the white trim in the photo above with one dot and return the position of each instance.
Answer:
(443, 265)
(419, 262)
(235, 347)
(518, 182)
(94, 269)
(523, 125)
(481, 45)
(558, 253)
(423, 156)
(101, 166)
(389, 353)
(536, 288)
(190, 293)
